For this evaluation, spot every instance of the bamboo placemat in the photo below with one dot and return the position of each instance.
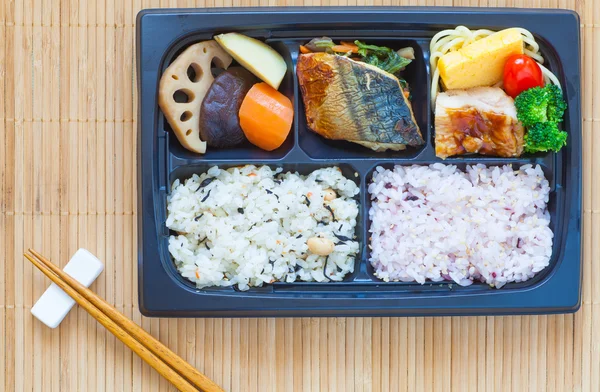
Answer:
(67, 180)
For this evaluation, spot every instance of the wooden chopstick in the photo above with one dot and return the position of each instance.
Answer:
(160, 357)
(161, 367)
(156, 347)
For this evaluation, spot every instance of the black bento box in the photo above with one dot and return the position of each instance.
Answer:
(162, 34)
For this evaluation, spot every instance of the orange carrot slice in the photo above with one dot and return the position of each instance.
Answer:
(266, 116)
(345, 48)
(304, 49)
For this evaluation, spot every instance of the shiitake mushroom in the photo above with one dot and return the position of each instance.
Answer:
(219, 119)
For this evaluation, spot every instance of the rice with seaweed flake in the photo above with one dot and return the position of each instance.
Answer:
(250, 225)
(436, 223)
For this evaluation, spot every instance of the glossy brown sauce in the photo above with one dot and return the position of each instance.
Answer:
(488, 133)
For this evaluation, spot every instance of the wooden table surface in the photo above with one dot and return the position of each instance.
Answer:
(67, 180)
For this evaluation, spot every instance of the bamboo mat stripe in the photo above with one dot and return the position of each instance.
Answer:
(67, 180)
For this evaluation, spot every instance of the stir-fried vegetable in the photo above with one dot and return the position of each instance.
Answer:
(365, 49)
(345, 47)
(407, 53)
(405, 88)
(319, 44)
(382, 57)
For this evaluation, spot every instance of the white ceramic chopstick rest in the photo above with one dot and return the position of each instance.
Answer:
(54, 304)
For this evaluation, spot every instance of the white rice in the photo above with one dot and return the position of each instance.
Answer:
(438, 223)
(249, 226)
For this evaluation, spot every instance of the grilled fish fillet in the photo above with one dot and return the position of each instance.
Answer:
(349, 100)
(479, 120)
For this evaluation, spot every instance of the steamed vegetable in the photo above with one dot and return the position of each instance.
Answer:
(266, 116)
(540, 109)
(180, 93)
(545, 137)
(256, 56)
(382, 57)
(540, 104)
(219, 121)
(521, 73)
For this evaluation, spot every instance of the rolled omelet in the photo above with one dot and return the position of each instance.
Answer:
(480, 63)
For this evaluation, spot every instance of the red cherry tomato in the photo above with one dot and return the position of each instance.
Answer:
(521, 73)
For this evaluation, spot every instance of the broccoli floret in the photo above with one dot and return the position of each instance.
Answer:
(540, 104)
(556, 103)
(545, 137)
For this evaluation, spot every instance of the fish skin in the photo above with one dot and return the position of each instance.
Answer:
(349, 100)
